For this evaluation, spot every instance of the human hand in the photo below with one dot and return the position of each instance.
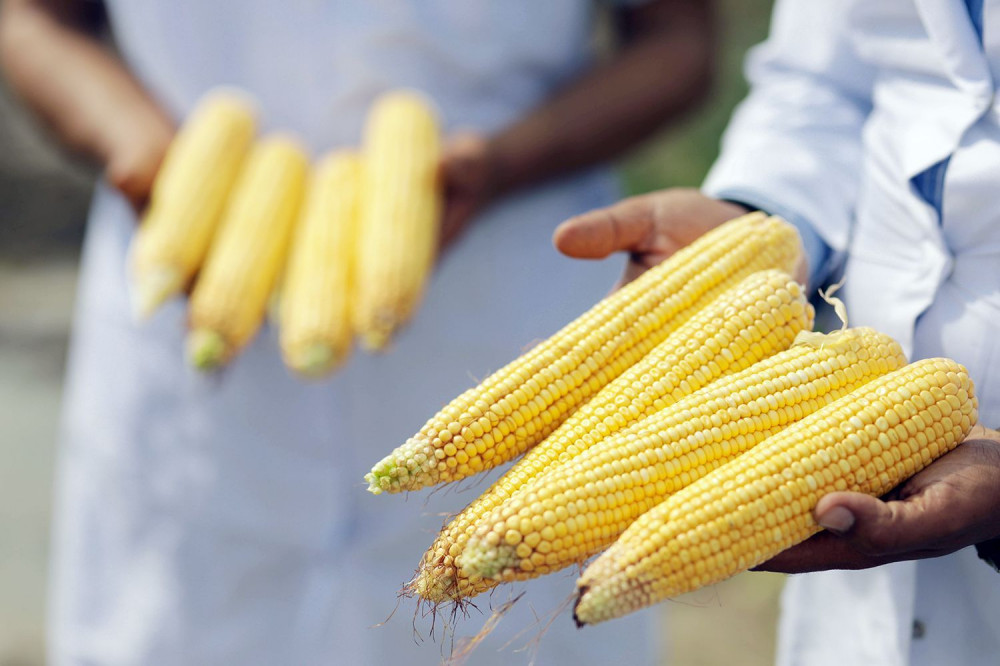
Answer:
(952, 503)
(650, 227)
(469, 179)
(133, 149)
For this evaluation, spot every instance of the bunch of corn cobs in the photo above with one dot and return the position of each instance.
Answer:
(337, 250)
(686, 426)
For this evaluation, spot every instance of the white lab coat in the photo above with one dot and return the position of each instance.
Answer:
(223, 519)
(877, 123)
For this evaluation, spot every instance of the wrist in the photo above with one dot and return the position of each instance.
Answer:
(133, 152)
(743, 206)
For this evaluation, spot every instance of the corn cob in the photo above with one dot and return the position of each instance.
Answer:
(762, 503)
(314, 305)
(400, 212)
(188, 197)
(522, 403)
(577, 509)
(231, 294)
(758, 317)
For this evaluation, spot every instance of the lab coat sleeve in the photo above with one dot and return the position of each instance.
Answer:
(793, 147)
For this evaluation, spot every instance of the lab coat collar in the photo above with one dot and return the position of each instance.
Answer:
(958, 58)
(953, 36)
(949, 86)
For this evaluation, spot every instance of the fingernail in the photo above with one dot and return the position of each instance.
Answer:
(838, 520)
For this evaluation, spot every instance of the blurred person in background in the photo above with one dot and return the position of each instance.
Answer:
(223, 519)
(875, 129)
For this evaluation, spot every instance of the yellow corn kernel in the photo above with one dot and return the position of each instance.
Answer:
(678, 547)
(544, 386)
(188, 197)
(625, 475)
(315, 300)
(758, 317)
(400, 211)
(231, 294)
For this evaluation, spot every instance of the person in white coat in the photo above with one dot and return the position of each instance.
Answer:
(874, 127)
(223, 519)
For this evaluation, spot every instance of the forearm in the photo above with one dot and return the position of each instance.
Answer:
(81, 90)
(662, 71)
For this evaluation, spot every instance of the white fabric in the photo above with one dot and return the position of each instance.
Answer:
(879, 94)
(223, 519)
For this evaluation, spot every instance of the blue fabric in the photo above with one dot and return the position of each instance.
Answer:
(929, 184)
(816, 249)
(975, 8)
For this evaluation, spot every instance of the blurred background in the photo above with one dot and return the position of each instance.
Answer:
(44, 195)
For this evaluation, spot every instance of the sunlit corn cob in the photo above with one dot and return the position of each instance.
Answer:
(188, 197)
(231, 294)
(314, 305)
(762, 503)
(400, 211)
(577, 509)
(522, 403)
(754, 319)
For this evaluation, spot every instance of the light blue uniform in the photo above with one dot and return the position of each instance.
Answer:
(223, 519)
(877, 126)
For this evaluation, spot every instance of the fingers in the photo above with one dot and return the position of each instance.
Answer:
(861, 532)
(820, 552)
(650, 226)
(132, 164)
(594, 235)
(134, 183)
(880, 528)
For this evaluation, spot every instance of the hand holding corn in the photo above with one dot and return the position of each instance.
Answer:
(650, 227)
(953, 503)
(949, 505)
(763, 502)
(225, 207)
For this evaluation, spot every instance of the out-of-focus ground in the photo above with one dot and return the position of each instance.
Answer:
(43, 200)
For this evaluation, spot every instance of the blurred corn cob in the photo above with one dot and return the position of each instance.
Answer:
(189, 196)
(231, 294)
(580, 507)
(522, 403)
(315, 300)
(400, 210)
(762, 503)
(758, 317)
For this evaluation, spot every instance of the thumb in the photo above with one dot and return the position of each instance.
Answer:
(594, 235)
(873, 526)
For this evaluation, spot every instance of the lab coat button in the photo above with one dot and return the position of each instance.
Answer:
(919, 629)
